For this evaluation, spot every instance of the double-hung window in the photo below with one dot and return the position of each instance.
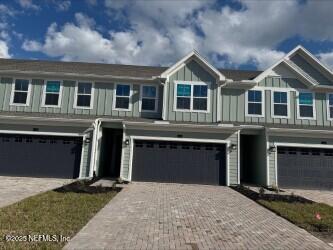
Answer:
(280, 104)
(330, 106)
(122, 97)
(84, 95)
(20, 95)
(52, 93)
(148, 98)
(305, 105)
(254, 103)
(191, 97)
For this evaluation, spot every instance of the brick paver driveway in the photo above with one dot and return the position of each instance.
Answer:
(174, 216)
(322, 196)
(13, 189)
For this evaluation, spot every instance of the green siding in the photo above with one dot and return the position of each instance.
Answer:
(192, 71)
(310, 70)
(102, 100)
(233, 160)
(281, 82)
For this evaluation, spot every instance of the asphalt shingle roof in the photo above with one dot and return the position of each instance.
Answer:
(118, 70)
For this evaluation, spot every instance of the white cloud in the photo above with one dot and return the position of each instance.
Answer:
(28, 4)
(4, 51)
(91, 2)
(327, 58)
(163, 31)
(64, 5)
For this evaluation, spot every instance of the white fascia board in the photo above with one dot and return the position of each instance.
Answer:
(299, 132)
(70, 76)
(183, 60)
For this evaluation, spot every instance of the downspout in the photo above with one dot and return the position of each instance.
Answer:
(96, 127)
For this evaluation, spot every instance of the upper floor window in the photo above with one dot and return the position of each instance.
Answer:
(191, 97)
(149, 98)
(254, 100)
(52, 93)
(330, 106)
(84, 94)
(122, 97)
(280, 106)
(306, 105)
(20, 93)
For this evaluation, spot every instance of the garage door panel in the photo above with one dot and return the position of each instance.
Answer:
(178, 162)
(40, 156)
(305, 168)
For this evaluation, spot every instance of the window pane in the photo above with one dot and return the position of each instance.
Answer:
(280, 110)
(254, 96)
(148, 104)
(305, 111)
(149, 91)
(199, 103)
(183, 90)
(83, 101)
(20, 97)
(21, 84)
(280, 97)
(84, 87)
(123, 90)
(254, 109)
(200, 91)
(183, 103)
(305, 98)
(53, 87)
(51, 99)
(122, 102)
(330, 99)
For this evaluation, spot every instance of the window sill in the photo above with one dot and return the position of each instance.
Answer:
(78, 107)
(19, 105)
(191, 111)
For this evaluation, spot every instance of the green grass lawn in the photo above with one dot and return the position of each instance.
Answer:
(304, 214)
(62, 212)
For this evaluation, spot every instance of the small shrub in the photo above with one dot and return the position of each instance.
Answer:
(261, 191)
(275, 189)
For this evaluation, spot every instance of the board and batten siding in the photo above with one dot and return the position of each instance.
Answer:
(233, 138)
(289, 139)
(233, 105)
(192, 71)
(102, 100)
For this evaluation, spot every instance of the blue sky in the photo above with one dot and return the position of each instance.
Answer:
(231, 34)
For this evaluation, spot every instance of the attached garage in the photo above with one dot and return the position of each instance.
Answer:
(40, 156)
(179, 162)
(310, 168)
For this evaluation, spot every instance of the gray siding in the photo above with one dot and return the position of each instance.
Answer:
(192, 71)
(102, 106)
(233, 160)
(233, 106)
(285, 139)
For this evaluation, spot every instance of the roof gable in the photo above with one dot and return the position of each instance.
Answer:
(302, 74)
(194, 55)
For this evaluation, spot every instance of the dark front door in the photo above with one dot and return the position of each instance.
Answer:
(174, 162)
(305, 168)
(40, 156)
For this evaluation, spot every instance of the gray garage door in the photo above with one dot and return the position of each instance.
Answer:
(305, 168)
(40, 156)
(172, 162)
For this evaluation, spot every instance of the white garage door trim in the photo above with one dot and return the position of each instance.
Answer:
(133, 138)
(295, 145)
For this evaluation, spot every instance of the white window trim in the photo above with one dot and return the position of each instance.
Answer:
(92, 95)
(288, 105)
(192, 83)
(328, 107)
(263, 93)
(141, 97)
(27, 103)
(313, 106)
(115, 96)
(44, 94)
